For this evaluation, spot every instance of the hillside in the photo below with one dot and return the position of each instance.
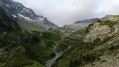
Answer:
(29, 26)
(99, 47)
(7, 22)
(21, 48)
(30, 40)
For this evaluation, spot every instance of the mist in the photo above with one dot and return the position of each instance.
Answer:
(62, 12)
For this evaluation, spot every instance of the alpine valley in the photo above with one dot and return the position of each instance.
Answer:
(30, 40)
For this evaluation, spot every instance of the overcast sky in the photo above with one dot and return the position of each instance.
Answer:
(63, 12)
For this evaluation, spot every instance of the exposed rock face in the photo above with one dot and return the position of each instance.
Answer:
(7, 22)
(107, 27)
(97, 31)
(93, 52)
(110, 57)
(17, 9)
(102, 29)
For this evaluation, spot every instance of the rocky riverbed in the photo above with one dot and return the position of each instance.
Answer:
(50, 62)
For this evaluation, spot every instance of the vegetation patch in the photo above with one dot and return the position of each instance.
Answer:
(82, 53)
(108, 22)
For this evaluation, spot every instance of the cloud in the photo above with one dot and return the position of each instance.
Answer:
(63, 12)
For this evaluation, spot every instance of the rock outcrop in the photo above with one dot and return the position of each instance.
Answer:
(102, 29)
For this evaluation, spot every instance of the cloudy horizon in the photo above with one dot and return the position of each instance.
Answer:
(63, 12)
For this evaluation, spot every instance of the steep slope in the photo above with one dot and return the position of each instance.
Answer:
(4, 19)
(29, 26)
(109, 31)
(19, 48)
(17, 9)
(102, 29)
(99, 47)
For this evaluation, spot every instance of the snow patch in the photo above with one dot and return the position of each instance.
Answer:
(27, 10)
(26, 18)
(14, 15)
(35, 21)
(7, 5)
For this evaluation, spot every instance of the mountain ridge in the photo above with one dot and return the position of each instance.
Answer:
(87, 20)
(17, 9)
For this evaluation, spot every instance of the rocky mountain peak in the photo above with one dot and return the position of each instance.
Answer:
(16, 9)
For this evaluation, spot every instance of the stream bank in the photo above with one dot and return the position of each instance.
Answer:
(50, 62)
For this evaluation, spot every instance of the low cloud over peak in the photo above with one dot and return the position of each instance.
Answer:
(63, 12)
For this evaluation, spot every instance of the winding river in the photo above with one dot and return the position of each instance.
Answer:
(50, 62)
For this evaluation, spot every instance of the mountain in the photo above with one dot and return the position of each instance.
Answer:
(107, 16)
(18, 10)
(71, 28)
(77, 26)
(27, 25)
(87, 20)
(107, 32)
(21, 48)
(98, 48)
(22, 44)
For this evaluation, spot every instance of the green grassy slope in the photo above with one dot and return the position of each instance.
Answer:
(80, 54)
(84, 53)
(30, 26)
(19, 48)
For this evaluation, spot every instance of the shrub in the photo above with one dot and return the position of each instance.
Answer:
(109, 23)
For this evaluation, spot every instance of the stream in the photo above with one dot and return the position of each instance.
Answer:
(50, 62)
